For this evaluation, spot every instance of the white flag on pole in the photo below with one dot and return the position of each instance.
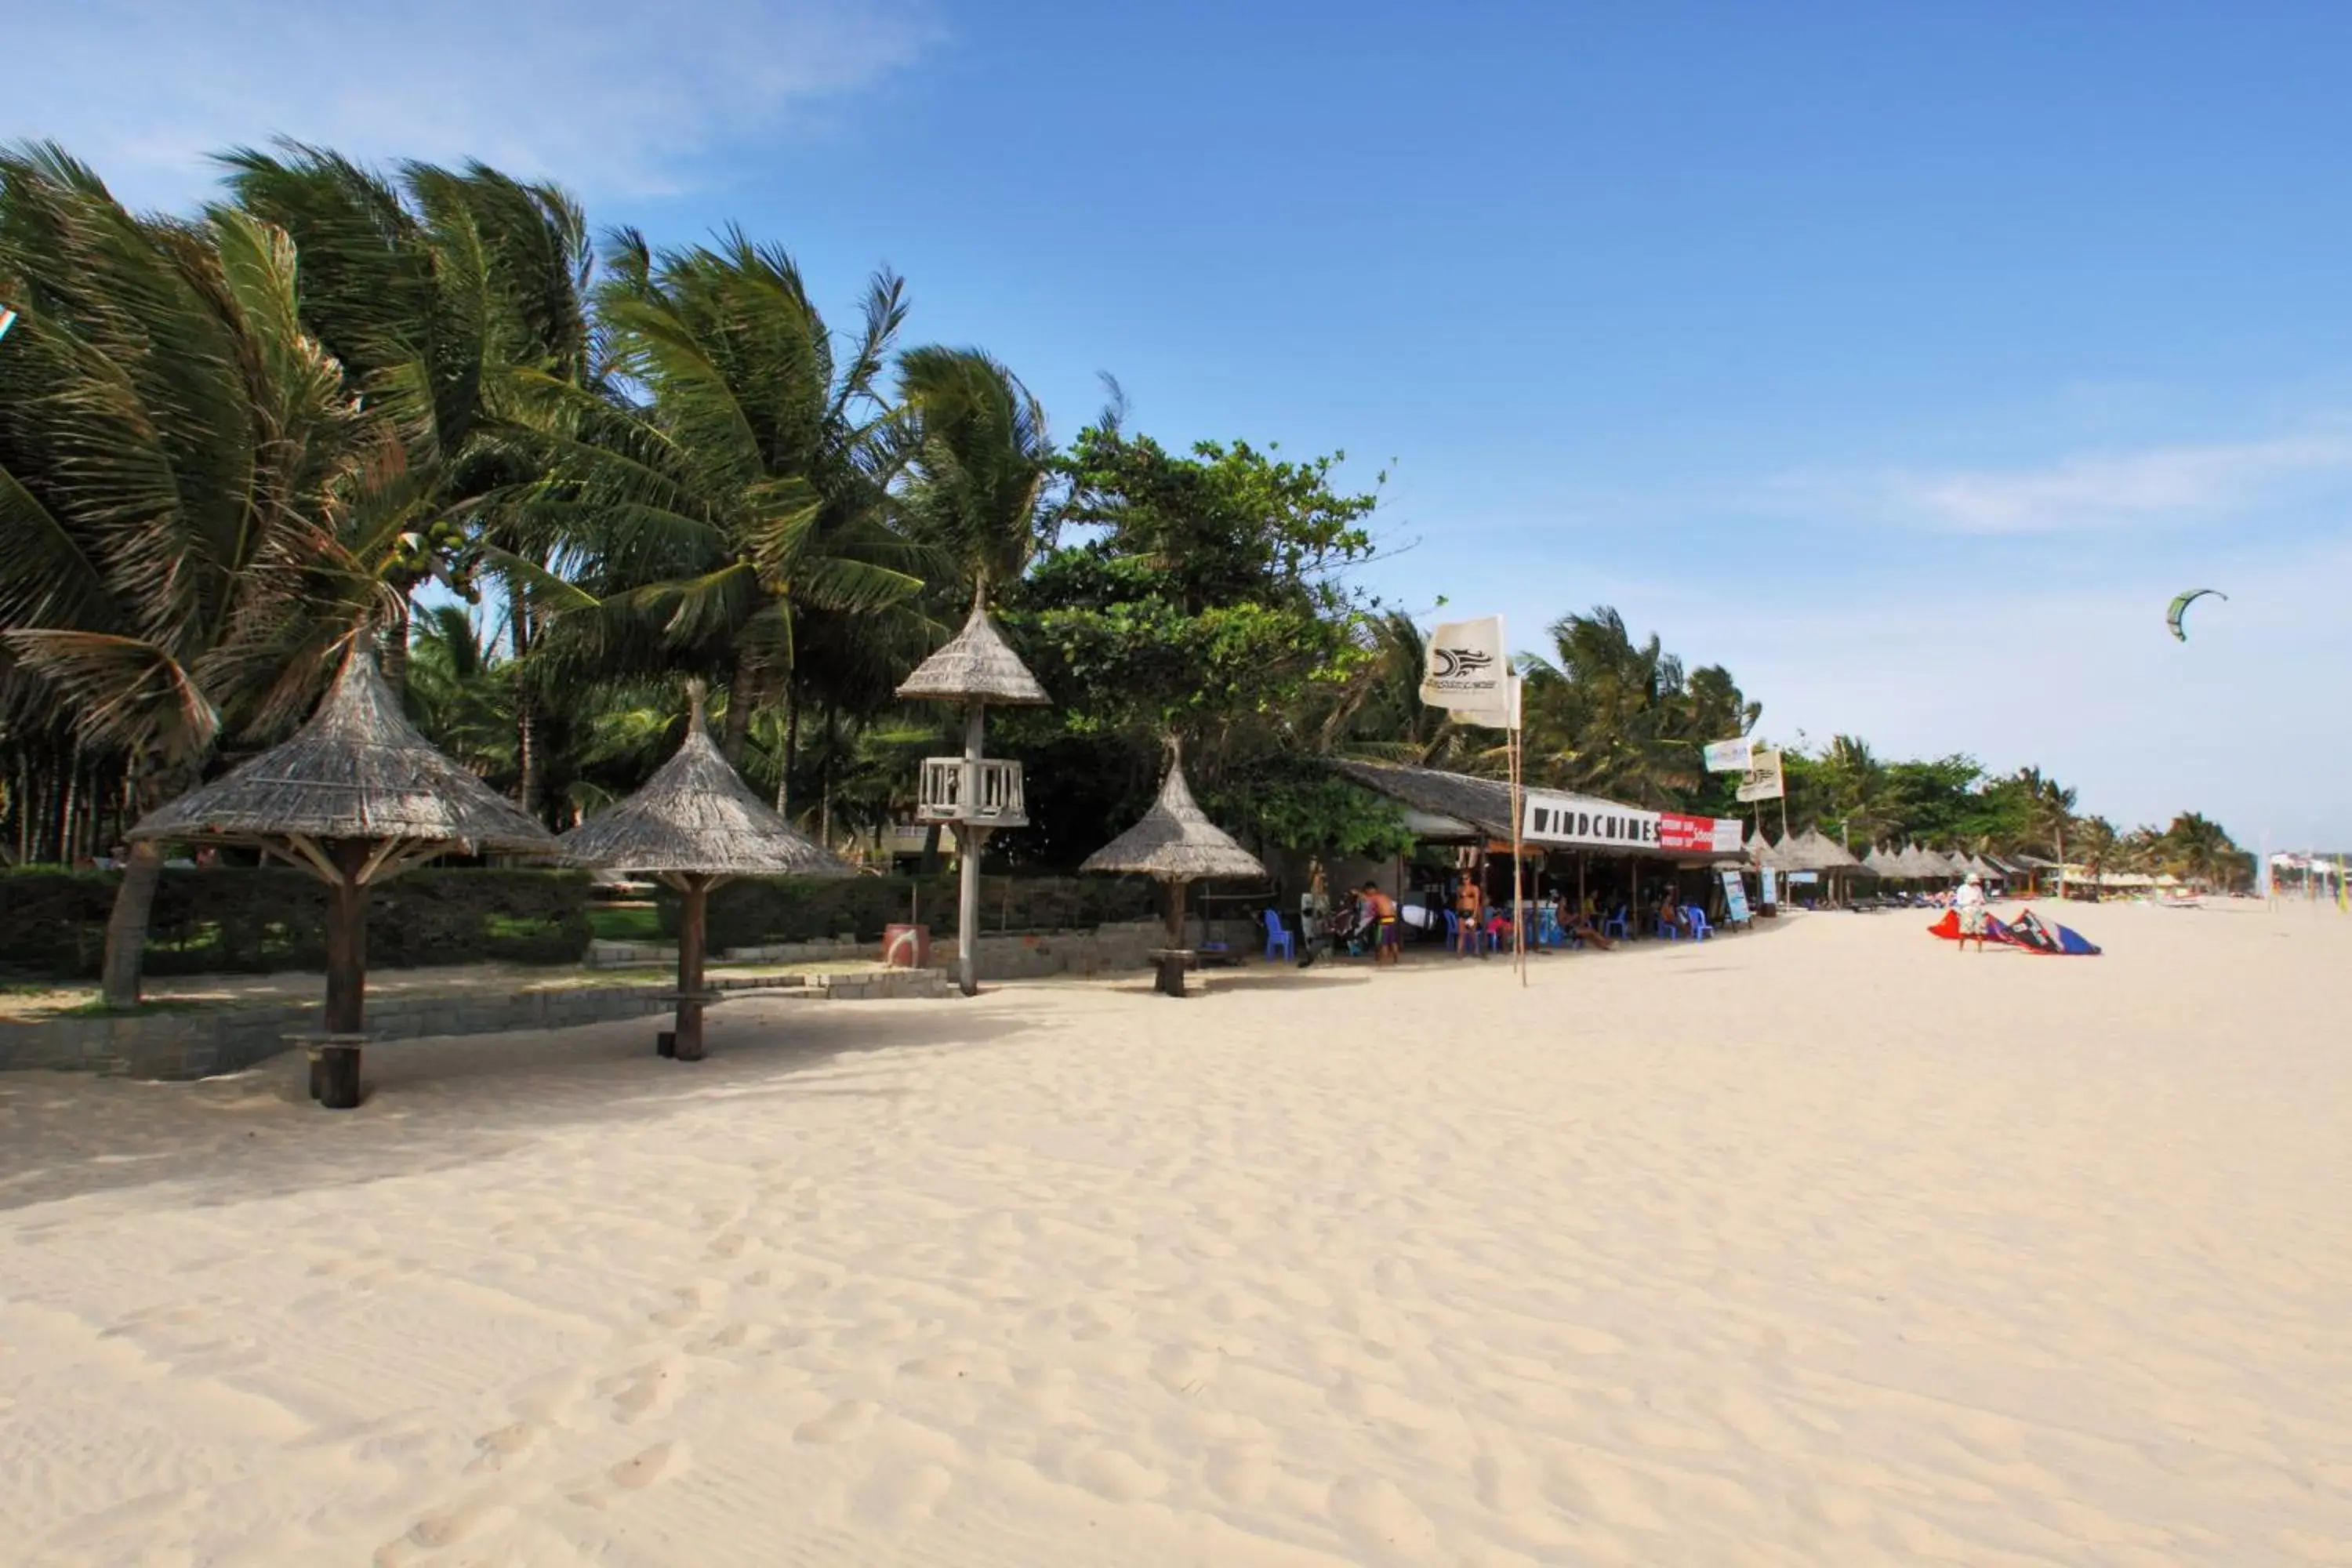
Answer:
(1764, 779)
(1468, 670)
(1503, 718)
(1730, 756)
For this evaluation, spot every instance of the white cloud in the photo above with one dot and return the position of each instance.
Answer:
(2152, 487)
(605, 97)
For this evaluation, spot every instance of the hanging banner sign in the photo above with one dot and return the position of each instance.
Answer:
(1550, 818)
(1587, 822)
(1468, 670)
(1730, 756)
(1735, 897)
(1698, 834)
(1762, 778)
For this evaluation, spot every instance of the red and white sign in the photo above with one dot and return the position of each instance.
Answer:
(1682, 834)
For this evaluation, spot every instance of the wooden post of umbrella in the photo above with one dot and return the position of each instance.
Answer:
(693, 943)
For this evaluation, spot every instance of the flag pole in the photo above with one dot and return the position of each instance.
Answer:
(1518, 816)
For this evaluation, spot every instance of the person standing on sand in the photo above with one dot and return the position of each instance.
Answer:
(1385, 926)
(1467, 901)
(1968, 903)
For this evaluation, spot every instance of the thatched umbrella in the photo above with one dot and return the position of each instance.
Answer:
(974, 668)
(1176, 844)
(1925, 865)
(694, 825)
(1883, 865)
(355, 798)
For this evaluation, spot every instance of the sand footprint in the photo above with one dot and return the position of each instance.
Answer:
(645, 1391)
(726, 1339)
(900, 1496)
(1119, 1476)
(646, 1468)
(497, 1447)
(849, 1419)
(693, 1301)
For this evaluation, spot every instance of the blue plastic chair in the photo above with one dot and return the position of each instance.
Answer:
(1548, 929)
(1700, 929)
(1666, 928)
(1618, 926)
(1279, 943)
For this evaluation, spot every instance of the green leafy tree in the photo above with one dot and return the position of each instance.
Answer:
(1202, 597)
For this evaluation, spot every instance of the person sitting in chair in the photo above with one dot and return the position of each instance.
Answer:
(1581, 924)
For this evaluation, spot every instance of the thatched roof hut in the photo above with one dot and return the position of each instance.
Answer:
(1816, 851)
(356, 797)
(1176, 844)
(1767, 856)
(975, 666)
(1924, 865)
(694, 825)
(357, 771)
(696, 817)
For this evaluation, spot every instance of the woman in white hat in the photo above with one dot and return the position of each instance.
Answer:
(1970, 903)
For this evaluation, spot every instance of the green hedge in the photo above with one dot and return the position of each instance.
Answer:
(753, 913)
(254, 919)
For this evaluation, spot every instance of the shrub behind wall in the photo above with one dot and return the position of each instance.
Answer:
(253, 920)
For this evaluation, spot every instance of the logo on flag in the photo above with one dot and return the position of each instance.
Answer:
(1762, 780)
(1469, 672)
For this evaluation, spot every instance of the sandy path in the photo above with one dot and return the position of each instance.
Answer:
(1674, 1257)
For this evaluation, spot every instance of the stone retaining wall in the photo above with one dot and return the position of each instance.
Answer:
(208, 1040)
(204, 1041)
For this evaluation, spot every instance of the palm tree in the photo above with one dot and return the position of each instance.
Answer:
(1613, 717)
(2094, 841)
(1858, 796)
(2199, 849)
(748, 489)
(979, 457)
(194, 506)
(453, 299)
(2050, 809)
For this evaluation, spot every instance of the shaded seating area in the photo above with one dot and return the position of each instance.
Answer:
(356, 797)
(1176, 845)
(693, 826)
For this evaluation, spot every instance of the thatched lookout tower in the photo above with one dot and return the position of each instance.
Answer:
(694, 825)
(1175, 844)
(972, 792)
(355, 798)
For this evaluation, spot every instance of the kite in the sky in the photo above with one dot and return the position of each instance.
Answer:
(2181, 607)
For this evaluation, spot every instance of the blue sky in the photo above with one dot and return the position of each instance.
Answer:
(1906, 359)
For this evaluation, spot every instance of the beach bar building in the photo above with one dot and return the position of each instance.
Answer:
(1603, 849)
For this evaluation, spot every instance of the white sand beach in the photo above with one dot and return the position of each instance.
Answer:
(1827, 1245)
